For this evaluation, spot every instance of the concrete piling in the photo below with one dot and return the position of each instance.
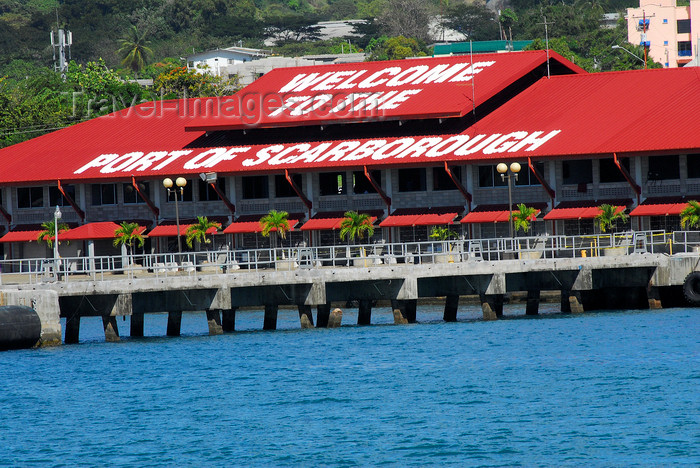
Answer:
(654, 297)
(575, 302)
(364, 312)
(533, 302)
(335, 319)
(306, 318)
(491, 306)
(136, 329)
(323, 312)
(174, 323)
(228, 320)
(109, 323)
(451, 305)
(270, 321)
(214, 321)
(72, 329)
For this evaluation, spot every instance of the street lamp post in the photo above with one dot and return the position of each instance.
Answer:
(180, 182)
(631, 53)
(503, 169)
(56, 216)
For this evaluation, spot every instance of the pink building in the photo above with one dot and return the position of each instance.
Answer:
(672, 32)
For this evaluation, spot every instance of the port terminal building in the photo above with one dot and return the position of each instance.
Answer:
(414, 143)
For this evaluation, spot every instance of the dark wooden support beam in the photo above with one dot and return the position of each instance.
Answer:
(136, 330)
(71, 202)
(378, 188)
(6, 215)
(306, 318)
(533, 302)
(323, 312)
(214, 321)
(144, 196)
(73, 329)
(451, 305)
(228, 320)
(174, 322)
(467, 196)
(364, 312)
(270, 320)
(109, 323)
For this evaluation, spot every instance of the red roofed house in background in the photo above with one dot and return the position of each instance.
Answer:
(413, 137)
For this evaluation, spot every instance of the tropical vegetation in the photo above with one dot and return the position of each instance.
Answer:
(442, 233)
(523, 217)
(356, 225)
(275, 222)
(690, 216)
(199, 230)
(134, 50)
(127, 234)
(609, 216)
(48, 234)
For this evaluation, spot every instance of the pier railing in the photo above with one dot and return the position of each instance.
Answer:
(38, 270)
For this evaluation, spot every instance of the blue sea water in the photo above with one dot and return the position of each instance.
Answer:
(599, 389)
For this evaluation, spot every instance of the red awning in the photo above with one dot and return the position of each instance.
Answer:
(325, 224)
(94, 231)
(429, 219)
(22, 236)
(170, 230)
(588, 212)
(246, 227)
(486, 217)
(661, 209)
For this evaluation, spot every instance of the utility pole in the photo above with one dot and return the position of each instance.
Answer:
(546, 42)
(62, 40)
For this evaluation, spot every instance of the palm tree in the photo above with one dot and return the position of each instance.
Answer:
(49, 232)
(358, 225)
(126, 234)
(690, 216)
(134, 50)
(442, 233)
(609, 216)
(198, 231)
(275, 221)
(523, 217)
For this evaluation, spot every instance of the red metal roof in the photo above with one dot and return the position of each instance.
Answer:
(604, 113)
(429, 219)
(246, 227)
(660, 209)
(367, 91)
(575, 115)
(22, 236)
(486, 217)
(93, 231)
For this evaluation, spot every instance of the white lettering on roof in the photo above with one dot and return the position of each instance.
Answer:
(469, 73)
(304, 81)
(438, 74)
(368, 83)
(311, 154)
(408, 76)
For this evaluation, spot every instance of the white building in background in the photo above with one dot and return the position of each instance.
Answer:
(216, 62)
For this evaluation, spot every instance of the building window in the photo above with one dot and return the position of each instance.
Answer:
(104, 194)
(526, 177)
(332, 183)
(609, 172)
(665, 21)
(30, 197)
(360, 183)
(578, 227)
(283, 189)
(665, 223)
(255, 187)
(693, 166)
(663, 168)
(442, 181)
(130, 194)
(578, 172)
(207, 193)
(684, 49)
(412, 180)
(683, 26)
(56, 198)
(489, 177)
(665, 43)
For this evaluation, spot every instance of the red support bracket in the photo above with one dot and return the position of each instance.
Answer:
(298, 191)
(635, 186)
(378, 189)
(145, 198)
(6, 215)
(541, 180)
(71, 202)
(231, 207)
(467, 196)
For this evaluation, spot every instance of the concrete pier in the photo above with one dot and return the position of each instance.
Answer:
(648, 280)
